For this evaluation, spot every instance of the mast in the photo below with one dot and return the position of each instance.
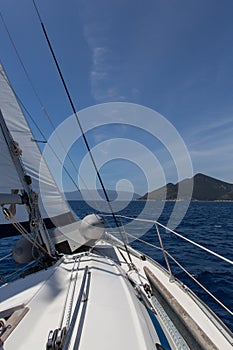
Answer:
(28, 197)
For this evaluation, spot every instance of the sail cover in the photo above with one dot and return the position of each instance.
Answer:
(32, 160)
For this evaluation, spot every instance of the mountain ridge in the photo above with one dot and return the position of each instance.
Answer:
(205, 188)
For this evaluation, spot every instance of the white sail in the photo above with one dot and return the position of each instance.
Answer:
(9, 177)
(31, 158)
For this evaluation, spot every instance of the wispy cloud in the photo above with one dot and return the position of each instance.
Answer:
(109, 67)
(211, 148)
(212, 152)
(103, 83)
(222, 123)
(103, 71)
(99, 75)
(103, 87)
(215, 134)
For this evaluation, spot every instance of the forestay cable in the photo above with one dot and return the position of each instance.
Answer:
(49, 119)
(81, 129)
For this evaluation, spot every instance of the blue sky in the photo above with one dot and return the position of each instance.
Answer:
(174, 56)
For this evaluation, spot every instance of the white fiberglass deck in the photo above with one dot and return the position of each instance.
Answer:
(110, 317)
(91, 295)
(207, 326)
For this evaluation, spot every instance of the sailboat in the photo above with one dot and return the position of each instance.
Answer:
(87, 289)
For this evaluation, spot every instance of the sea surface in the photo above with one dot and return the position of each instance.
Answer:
(207, 223)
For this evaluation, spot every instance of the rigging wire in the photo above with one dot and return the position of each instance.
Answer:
(180, 236)
(26, 235)
(183, 269)
(186, 271)
(6, 256)
(200, 284)
(81, 129)
(53, 126)
(44, 141)
(39, 100)
(50, 121)
(21, 229)
(24, 268)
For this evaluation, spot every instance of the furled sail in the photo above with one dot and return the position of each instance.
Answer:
(32, 160)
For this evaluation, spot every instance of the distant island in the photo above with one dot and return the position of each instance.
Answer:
(205, 188)
(91, 195)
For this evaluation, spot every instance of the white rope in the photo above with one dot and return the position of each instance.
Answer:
(179, 235)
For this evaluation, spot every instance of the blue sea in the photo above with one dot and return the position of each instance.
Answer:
(207, 223)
